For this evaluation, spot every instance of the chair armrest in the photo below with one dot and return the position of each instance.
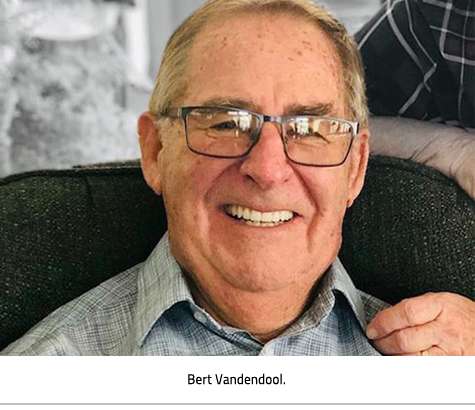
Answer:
(448, 149)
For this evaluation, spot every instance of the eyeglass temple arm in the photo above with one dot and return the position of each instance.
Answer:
(173, 112)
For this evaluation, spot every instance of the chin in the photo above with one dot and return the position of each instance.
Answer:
(259, 275)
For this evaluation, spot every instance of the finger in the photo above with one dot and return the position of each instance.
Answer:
(407, 313)
(433, 351)
(411, 339)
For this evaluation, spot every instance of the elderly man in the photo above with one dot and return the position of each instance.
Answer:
(257, 139)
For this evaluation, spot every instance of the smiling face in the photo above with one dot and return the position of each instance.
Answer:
(275, 65)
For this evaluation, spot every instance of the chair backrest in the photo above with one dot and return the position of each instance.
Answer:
(411, 231)
(63, 232)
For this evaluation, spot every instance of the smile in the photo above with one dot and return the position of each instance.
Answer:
(252, 217)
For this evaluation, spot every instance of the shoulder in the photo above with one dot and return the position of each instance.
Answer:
(73, 328)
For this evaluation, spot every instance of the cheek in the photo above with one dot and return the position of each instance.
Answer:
(328, 189)
(180, 167)
(328, 193)
(188, 183)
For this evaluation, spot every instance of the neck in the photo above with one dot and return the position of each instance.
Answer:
(265, 315)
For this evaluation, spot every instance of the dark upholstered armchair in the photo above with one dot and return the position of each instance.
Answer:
(62, 232)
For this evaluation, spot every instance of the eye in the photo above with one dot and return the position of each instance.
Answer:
(303, 134)
(224, 126)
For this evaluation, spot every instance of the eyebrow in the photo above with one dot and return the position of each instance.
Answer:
(319, 109)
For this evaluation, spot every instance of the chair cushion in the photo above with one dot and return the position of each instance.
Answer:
(63, 232)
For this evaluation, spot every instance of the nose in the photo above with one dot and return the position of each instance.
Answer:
(266, 164)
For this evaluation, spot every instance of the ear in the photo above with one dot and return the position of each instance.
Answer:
(150, 147)
(358, 163)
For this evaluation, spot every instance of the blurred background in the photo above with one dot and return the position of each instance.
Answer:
(75, 74)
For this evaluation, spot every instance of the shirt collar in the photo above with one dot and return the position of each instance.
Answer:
(335, 281)
(162, 284)
(339, 281)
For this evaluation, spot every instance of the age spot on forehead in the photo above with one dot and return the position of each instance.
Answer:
(224, 42)
(307, 45)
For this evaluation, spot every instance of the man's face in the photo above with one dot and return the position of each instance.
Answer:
(273, 65)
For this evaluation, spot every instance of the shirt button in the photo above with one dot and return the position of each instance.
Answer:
(270, 350)
(200, 317)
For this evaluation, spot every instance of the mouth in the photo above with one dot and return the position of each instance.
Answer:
(253, 217)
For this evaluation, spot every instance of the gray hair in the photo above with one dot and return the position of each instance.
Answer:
(171, 83)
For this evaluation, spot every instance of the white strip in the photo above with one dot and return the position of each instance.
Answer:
(445, 24)
(418, 91)
(462, 73)
(455, 58)
(452, 33)
(443, 4)
(388, 11)
(403, 42)
(411, 28)
(460, 60)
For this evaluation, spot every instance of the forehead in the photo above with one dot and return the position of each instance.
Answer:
(270, 60)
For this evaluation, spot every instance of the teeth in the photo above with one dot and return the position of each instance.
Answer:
(256, 218)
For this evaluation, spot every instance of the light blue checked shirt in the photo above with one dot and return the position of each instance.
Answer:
(149, 310)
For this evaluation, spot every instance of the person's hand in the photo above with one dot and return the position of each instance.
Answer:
(434, 324)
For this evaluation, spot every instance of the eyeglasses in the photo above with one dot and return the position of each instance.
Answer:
(224, 132)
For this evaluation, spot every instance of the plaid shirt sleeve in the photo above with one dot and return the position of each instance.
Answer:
(419, 58)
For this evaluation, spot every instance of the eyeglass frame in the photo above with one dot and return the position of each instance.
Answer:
(183, 112)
